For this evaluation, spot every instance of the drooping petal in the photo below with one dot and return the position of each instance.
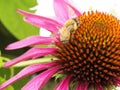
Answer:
(40, 80)
(76, 11)
(40, 21)
(61, 10)
(99, 87)
(33, 40)
(82, 86)
(117, 81)
(64, 84)
(27, 71)
(32, 53)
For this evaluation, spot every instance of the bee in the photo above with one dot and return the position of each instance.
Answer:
(68, 28)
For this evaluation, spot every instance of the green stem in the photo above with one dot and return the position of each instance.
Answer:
(4, 58)
(11, 72)
(11, 68)
(33, 61)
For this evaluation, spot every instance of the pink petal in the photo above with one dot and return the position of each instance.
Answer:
(40, 80)
(27, 71)
(33, 40)
(32, 53)
(40, 21)
(117, 81)
(99, 87)
(82, 86)
(64, 84)
(77, 12)
(61, 10)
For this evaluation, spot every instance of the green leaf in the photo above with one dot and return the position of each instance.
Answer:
(20, 83)
(9, 87)
(5, 73)
(13, 21)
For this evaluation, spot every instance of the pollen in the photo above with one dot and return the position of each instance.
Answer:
(92, 54)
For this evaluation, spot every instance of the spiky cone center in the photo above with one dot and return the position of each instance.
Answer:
(92, 54)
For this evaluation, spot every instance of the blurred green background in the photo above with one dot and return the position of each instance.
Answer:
(13, 28)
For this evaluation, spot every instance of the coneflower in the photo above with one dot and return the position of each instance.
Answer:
(86, 48)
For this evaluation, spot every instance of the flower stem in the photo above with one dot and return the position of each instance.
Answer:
(11, 68)
(11, 72)
(5, 59)
(33, 61)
